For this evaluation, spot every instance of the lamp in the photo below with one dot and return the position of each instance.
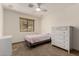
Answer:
(38, 9)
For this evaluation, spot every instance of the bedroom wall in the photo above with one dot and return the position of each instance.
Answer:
(12, 26)
(65, 17)
(1, 20)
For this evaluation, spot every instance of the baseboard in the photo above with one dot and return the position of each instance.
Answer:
(17, 42)
(66, 50)
(75, 50)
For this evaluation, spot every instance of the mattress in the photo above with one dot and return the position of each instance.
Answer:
(37, 37)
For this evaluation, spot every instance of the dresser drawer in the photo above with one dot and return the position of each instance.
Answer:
(61, 45)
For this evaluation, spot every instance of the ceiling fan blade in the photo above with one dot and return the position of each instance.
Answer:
(30, 5)
(39, 5)
(44, 10)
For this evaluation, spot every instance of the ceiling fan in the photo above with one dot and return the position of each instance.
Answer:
(38, 7)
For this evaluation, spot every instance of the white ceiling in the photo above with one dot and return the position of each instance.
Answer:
(23, 7)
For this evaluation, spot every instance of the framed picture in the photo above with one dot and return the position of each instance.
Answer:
(26, 25)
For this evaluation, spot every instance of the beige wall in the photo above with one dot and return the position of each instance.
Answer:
(12, 26)
(66, 17)
(1, 20)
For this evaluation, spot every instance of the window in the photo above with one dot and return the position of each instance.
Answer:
(26, 25)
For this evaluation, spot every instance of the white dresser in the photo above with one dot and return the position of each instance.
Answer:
(62, 37)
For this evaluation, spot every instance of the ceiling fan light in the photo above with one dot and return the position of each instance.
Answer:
(38, 9)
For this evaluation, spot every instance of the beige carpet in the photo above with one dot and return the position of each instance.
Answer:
(20, 49)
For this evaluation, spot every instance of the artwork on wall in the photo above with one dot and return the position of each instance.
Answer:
(26, 25)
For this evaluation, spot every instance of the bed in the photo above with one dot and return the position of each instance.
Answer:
(36, 39)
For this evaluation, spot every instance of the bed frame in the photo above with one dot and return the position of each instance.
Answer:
(37, 43)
